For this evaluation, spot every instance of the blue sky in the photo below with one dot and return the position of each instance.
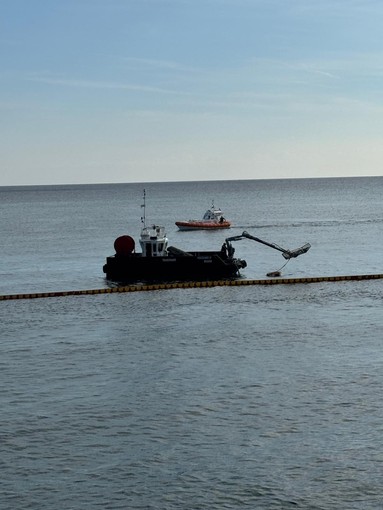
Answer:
(96, 91)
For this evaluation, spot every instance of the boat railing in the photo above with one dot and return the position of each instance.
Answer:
(153, 232)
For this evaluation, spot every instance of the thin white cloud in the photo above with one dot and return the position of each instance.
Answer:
(156, 64)
(334, 6)
(104, 85)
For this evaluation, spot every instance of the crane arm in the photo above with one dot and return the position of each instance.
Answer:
(287, 254)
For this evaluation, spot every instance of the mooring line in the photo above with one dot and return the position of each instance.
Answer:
(191, 285)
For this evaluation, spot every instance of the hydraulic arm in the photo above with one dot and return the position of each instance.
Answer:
(287, 254)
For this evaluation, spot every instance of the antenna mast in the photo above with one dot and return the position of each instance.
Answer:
(143, 217)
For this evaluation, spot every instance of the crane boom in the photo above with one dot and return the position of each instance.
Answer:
(287, 254)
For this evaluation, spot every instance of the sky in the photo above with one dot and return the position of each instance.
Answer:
(109, 91)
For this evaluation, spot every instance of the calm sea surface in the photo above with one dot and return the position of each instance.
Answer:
(216, 398)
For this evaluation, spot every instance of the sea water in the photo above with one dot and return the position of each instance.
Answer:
(226, 397)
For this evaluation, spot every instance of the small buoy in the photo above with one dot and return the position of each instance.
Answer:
(274, 274)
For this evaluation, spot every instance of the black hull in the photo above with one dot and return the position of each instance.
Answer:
(187, 267)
